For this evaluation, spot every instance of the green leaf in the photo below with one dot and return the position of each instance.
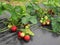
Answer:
(0, 11)
(18, 10)
(34, 0)
(24, 20)
(36, 7)
(1, 8)
(55, 25)
(58, 18)
(28, 18)
(33, 20)
(23, 8)
(14, 18)
(7, 7)
(20, 0)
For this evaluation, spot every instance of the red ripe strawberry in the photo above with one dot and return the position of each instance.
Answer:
(27, 38)
(21, 34)
(13, 28)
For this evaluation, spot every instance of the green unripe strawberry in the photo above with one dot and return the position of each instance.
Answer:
(9, 26)
(41, 21)
(46, 17)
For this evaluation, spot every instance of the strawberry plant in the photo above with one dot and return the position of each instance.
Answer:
(25, 13)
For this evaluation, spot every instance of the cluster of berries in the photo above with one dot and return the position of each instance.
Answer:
(21, 34)
(45, 20)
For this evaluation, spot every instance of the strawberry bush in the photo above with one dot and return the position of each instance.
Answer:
(27, 13)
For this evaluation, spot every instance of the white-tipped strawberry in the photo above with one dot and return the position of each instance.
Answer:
(44, 23)
(21, 34)
(48, 22)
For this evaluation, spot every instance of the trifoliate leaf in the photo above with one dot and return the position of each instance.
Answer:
(33, 20)
(24, 20)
